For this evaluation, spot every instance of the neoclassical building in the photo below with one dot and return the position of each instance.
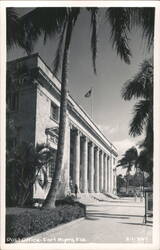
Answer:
(89, 157)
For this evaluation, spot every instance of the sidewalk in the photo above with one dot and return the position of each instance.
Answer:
(118, 221)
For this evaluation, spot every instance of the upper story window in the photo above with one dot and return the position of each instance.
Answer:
(13, 101)
(54, 111)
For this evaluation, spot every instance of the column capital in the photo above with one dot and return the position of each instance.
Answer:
(84, 138)
(76, 131)
(91, 144)
(97, 149)
(114, 170)
(70, 125)
(101, 152)
(105, 155)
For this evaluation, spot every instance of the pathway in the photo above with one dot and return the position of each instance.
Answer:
(117, 221)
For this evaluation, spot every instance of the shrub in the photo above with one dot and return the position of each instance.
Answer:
(36, 220)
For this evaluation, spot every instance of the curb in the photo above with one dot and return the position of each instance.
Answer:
(53, 230)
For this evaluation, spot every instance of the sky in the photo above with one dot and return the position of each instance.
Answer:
(110, 112)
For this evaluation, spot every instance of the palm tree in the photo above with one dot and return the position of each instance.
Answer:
(145, 162)
(26, 164)
(141, 86)
(128, 160)
(120, 182)
(51, 22)
(61, 21)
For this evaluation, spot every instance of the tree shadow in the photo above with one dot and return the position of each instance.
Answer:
(110, 205)
(91, 218)
(95, 213)
(137, 224)
(105, 215)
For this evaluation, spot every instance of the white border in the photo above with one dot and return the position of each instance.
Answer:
(156, 230)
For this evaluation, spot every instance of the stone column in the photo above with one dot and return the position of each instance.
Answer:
(91, 167)
(101, 171)
(111, 176)
(114, 181)
(84, 165)
(108, 174)
(96, 169)
(105, 174)
(76, 159)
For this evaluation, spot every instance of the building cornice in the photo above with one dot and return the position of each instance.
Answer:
(45, 72)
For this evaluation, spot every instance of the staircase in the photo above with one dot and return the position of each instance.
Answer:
(86, 198)
(110, 195)
(92, 198)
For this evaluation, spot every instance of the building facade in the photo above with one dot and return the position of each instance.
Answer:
(89, 158)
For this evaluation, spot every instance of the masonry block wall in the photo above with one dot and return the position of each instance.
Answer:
(33, 118)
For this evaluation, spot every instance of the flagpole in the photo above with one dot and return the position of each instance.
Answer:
(92, 104)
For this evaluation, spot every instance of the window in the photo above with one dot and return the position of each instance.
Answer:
(54, 111)
(13, 101)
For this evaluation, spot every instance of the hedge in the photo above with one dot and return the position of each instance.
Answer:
(37, 220)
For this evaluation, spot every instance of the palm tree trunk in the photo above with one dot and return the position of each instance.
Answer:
(51, 197)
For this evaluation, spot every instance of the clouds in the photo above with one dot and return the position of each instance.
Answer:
(124, 144)
(108, 130)
(119, 131)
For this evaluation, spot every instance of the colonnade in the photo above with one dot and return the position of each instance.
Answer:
(92, 170)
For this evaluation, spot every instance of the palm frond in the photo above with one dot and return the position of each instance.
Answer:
(41, 146)
(122, 162)
(129, 159)
(131, 153)
(12, 24)
(94, 12)
(148, 140)
(43, 181)
(141, 111)
(145, 161)
(120, 22)
(144, 18)
(15, 31)
(73, 13)
(47, 21)
(142, 83)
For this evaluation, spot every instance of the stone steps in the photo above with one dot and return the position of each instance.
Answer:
(92, 198)
(110, 195)
(101, 197)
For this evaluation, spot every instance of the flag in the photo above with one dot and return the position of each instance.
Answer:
(88, 94)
